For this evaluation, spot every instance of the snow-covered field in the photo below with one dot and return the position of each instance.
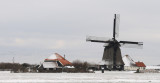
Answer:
(108, 77)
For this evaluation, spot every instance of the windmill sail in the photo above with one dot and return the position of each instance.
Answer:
(116, 25)
(125, 45)
(130, 44)
(98, 39)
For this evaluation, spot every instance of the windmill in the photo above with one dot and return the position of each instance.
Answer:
(112, 52)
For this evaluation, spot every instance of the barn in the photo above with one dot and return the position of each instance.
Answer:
(55, 62)
(130, 65)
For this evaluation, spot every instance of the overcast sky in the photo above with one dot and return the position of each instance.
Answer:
(31, 30)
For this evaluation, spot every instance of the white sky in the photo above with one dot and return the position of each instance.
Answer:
(31, 30)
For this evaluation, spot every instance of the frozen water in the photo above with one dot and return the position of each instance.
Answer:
(108, 77)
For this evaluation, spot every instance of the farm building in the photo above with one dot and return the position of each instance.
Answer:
(140, 65)
(130, 65)
(56, 63)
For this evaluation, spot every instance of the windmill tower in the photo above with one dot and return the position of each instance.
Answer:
(112, 52)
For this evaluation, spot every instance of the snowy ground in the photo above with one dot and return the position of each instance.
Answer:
(108, 77)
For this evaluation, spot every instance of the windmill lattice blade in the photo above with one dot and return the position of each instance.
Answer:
(129, 44)
(117, 25)
(98, 39)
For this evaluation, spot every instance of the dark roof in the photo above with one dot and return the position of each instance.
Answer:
(140, 64)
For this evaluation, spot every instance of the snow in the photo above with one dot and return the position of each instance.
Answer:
(153, 67)
(53, 56)
(5, 72)
(108, 77)
(128, 61)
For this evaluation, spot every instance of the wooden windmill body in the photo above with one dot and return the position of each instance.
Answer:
(112, 52)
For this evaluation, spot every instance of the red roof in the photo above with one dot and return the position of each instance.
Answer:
(60, 59)
(140, 64)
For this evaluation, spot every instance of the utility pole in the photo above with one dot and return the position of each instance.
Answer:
(13, 60)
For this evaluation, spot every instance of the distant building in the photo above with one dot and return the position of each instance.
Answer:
(55, 62)
(141, 65)
(130, 65)
(156, 67)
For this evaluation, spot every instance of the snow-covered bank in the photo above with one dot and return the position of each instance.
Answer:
(5, 72)
(80, 77)
(115, 71)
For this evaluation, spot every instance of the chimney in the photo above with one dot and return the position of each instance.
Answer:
(64, 56)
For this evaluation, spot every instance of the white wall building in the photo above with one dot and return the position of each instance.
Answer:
(55, 61)
(130, 65)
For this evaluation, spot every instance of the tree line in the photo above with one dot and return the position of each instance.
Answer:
(17, 67)
(79, 66)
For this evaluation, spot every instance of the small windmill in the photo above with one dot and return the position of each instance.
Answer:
(112, 52)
